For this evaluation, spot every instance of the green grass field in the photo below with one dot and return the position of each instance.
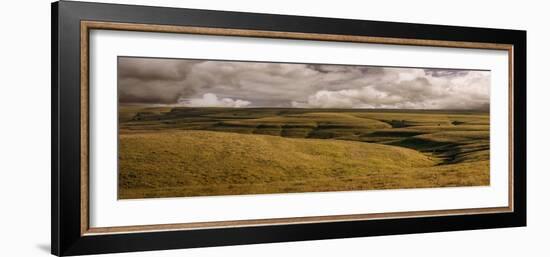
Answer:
(174, 152)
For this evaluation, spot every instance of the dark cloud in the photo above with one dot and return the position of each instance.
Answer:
(148, 69)
(255, 84)
(445, 73)
(153, 80)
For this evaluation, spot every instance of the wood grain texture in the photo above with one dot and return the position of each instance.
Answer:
(288, 35)
(84, 126)
(285, 221)
(85, 28)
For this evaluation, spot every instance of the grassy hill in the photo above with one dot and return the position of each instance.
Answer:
(433, 132)
(172, 162)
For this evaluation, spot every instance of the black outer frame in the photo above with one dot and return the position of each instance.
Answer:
(65, 167)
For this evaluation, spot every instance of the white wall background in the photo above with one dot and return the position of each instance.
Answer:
(25, 127)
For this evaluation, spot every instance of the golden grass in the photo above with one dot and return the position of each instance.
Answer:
(172, 163)
(168, 152)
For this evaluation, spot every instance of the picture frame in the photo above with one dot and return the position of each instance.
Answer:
(72, 23)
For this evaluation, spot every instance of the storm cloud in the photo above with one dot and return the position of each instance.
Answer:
(209, 83)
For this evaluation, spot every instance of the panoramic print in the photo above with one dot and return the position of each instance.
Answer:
(191, 127)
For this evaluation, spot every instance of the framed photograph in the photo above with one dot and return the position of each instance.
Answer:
(178, 128)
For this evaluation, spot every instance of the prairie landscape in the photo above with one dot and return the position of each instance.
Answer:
(192, 127)
(182, 151)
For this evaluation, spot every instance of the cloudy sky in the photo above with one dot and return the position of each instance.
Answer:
(207, 83)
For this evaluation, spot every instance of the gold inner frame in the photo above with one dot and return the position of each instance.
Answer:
(86, 26)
